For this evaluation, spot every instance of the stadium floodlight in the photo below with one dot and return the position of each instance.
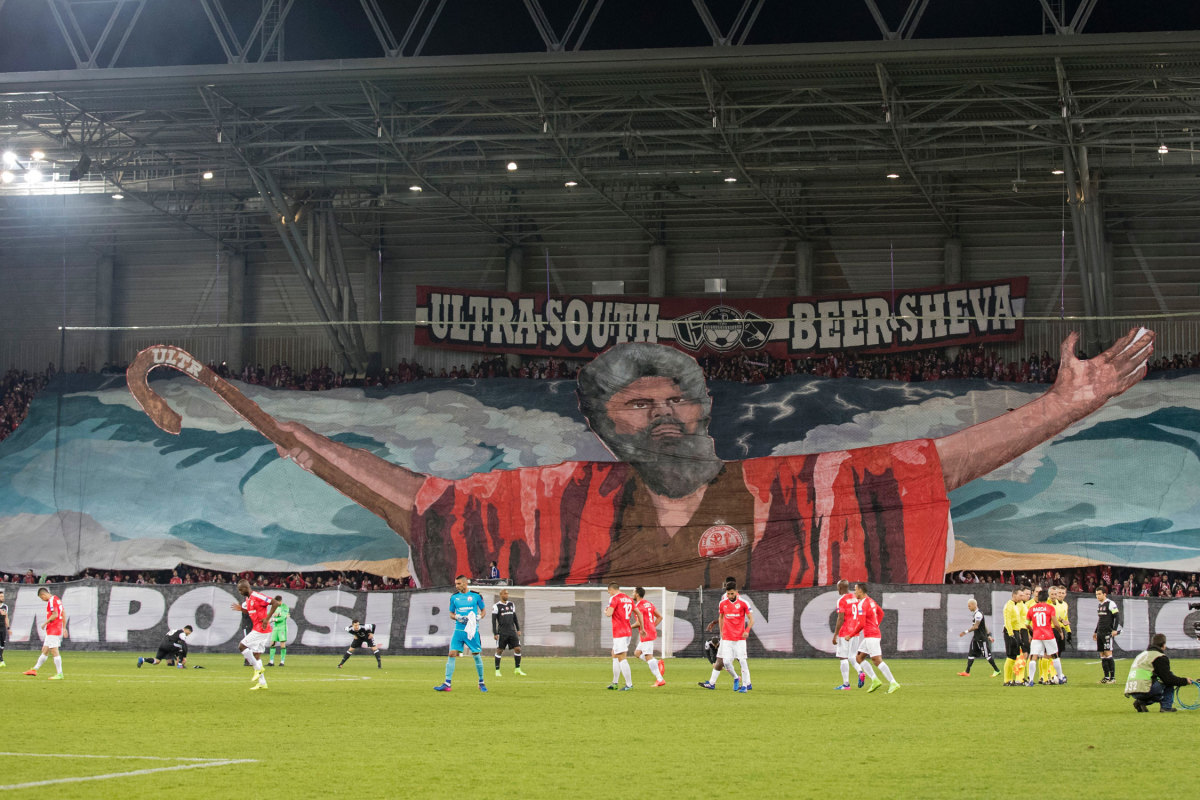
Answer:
(893, 176)
(1057, 172)
(512, 166)
(1162, 149)
(571, 184)
(33, 175)
(37, 155)
(208, 176)
(118, 196)
(415, 188)
(7, 176)
(10, 158)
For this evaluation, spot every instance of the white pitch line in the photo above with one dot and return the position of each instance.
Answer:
(130, 774)
(129, 758)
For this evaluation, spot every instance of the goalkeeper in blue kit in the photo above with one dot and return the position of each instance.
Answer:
(467, 610)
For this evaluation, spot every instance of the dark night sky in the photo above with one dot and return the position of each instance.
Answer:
(177, 31)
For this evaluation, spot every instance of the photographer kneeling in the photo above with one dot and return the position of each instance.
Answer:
(1150, 679)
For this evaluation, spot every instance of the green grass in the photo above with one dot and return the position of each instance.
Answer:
(321, 732)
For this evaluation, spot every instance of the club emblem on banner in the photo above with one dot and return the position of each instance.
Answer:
(722, 328)
(721, 541)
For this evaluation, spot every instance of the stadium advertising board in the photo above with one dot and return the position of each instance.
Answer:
(583, 326)
(920, 621)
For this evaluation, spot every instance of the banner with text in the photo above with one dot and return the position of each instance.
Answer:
(919, 621)
(582, 326)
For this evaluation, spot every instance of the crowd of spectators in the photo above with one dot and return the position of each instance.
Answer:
(17, 389)
(1119, 581)
(183, 575)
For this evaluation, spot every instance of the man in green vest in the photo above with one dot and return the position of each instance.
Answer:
(1150, 678)
(279, 632)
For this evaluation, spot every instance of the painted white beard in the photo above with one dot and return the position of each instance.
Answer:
(670, 467)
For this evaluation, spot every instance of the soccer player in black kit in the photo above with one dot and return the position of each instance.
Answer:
(4, 626)
(981, 640)
(1108, 625)
(364, 636)
(173, 648)
(506, 630)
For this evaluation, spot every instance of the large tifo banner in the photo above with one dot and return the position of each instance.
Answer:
(577, 326)
(508, 470)
(920, 622)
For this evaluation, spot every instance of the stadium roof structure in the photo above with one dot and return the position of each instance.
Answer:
(701, 140)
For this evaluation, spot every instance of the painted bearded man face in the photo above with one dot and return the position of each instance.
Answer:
(650, 406)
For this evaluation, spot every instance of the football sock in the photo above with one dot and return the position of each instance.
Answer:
(887, 672)
(497, 661)
(282, 655)
(250, 659)
(1110, 667)
(970, 662)
(992, 661)
(451, 663)
(729, 668)
(626, 673)
(272, 659)
(379, 661)
(41, 660)
(478, 665)
(345, 658)
(1058, 668)
(745, 674)
(517, 658)
(653, 664)
(616, 670)
(58, 664)
(868, 668)
(845, 665)
(1008, 670)
(716, 673)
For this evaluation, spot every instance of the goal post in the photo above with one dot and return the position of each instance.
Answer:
(570, 621)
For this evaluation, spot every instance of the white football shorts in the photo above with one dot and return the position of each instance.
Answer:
(620, 645)
(732, 649)
(870, 647)
(1043, 647)
(646, 647)
(846, 648)
(52, 641)
(257, 642)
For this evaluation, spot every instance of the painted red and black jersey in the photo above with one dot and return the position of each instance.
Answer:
(877, 514)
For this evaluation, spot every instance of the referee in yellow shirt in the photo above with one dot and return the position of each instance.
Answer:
(1058, 599)
(1015, 624)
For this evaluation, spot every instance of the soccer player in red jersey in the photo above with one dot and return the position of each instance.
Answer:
(1043, 619)
(259, 607)
(870, 615)
(647, 618)
(620, 609)
(54, 633)
(737, 620)
(844, 638)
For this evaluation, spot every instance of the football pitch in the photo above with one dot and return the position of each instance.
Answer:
(113, 730)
